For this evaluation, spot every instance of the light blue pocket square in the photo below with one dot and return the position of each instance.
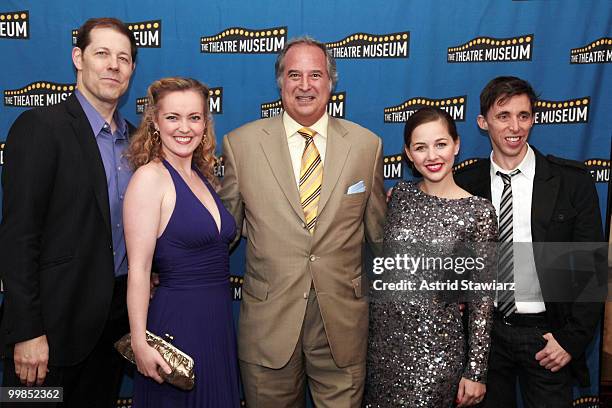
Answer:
(358, 187)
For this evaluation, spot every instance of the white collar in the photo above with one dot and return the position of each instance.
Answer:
(526, 166)
(291, 126)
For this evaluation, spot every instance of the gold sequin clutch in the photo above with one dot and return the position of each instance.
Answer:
(182, 375)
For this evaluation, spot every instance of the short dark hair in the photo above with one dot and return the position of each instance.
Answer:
(84, 36)
(279, 66)
(422, 116)
(426, 115)
(503, 88)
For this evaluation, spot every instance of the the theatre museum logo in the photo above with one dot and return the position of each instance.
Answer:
(215, 101)
(562, 112)
(599, 169)
(15, 25)
(465, 163)
(240, 40)
(393, 167)
(488, 49)
(2, 145)
(597, 52)
(219, 169)
(236, 286)
(364, 45)
(146, 33)
(40, 93)
(335, 106)
(455, 106)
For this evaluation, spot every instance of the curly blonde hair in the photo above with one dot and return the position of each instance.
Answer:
(145, 146)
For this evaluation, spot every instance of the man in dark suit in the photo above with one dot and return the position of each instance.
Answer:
(63, 253)
(538, 336)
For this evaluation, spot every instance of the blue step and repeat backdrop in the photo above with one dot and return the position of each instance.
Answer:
(393, 57)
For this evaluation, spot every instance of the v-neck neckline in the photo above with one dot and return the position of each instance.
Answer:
(219, 226)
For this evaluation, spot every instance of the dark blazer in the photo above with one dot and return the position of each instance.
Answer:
(565, 208)
(55, 238)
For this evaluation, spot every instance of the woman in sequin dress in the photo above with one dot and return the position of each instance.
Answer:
(418, 354)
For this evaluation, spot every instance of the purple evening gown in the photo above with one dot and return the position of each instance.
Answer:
(193, 304)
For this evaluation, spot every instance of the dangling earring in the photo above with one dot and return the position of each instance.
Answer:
(156, 138)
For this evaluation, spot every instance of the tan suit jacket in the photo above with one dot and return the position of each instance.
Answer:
(282, 259)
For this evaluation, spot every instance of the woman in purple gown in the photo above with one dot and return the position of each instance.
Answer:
(175, 223)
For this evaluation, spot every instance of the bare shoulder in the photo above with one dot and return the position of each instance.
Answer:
(151, 177)
(152, 171)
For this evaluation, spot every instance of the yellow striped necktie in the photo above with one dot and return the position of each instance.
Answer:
(311, 176)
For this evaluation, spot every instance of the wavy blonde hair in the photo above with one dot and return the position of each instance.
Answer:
(145, 147)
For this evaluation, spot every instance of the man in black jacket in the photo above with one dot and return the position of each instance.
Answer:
(61, 238)
(540, 331)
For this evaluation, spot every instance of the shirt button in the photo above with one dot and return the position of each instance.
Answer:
(114, 253)
(305, 295)
(119, 168)
(303, 225)
(312, 258)
(121, 197)
(118, 225)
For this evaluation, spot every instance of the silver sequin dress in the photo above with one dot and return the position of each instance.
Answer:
(417, 349)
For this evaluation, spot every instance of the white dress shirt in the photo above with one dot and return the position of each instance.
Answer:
(527, 285)
(297, 142)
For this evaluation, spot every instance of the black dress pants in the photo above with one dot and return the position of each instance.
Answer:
(94, 382)
(512, 357)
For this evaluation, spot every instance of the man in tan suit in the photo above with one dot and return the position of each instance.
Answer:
(309, 189)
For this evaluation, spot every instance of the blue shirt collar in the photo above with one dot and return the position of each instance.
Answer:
(96, 120)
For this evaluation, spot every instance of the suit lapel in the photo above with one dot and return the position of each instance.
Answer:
(337, 151)
(87, 142)
(276, 150)
(482, 184)
(544, 197)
